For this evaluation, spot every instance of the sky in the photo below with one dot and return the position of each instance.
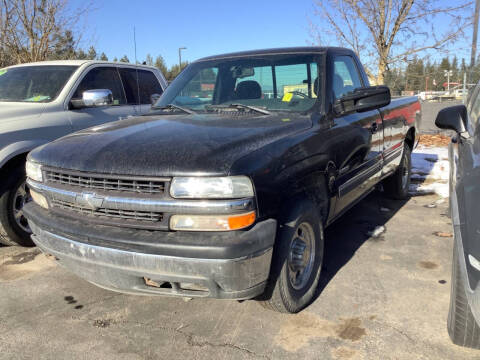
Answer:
(204, 27)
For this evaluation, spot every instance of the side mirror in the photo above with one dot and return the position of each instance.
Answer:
(154, 98)
(94, 98)
(98, 97)
(452, 118)
(363, 99)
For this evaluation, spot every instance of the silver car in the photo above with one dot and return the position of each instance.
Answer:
(40, 102)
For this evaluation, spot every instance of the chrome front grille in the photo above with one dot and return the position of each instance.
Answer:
(143, 216)
(105, 182)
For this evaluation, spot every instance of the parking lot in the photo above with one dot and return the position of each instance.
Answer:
(383, 297)
(380, 298)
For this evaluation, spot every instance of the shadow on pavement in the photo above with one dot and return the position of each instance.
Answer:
(345, 236)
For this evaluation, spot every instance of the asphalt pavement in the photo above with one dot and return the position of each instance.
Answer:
(430, 110)
(382, 297)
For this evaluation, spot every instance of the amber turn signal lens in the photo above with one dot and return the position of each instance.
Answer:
(241, 221)
(212, 222)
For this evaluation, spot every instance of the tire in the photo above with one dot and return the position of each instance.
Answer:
(462, 327)
(396, 186)
(13, 232)
(286, 292)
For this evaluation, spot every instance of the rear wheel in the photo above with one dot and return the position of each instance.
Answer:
(296, 262)
(462, 327)
(14, 229)
(397, 185)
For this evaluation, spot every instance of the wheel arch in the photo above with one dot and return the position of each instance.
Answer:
(316, 186)
(16, 149)
(15, 155)
(410, 138)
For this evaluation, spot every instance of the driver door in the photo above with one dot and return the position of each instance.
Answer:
(100, 77)
(361, 156)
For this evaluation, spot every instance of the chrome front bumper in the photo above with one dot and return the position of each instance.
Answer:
(126, 271)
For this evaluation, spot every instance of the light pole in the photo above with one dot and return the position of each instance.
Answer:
(180, 58)
(474, 39)
(448, 73)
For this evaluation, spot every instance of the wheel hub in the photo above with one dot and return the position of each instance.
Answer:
(21, 197)
(405, 173)
(301, 256)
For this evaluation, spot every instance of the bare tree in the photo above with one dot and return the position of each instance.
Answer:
(385, 32)
(31, 29)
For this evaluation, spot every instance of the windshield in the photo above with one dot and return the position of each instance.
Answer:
(33, 83)
(274, 82)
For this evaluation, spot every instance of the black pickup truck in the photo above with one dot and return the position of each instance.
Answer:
(224, 189)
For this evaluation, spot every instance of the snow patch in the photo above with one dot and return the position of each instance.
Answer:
(430, 171)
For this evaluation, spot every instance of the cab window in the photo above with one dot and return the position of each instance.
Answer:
(346, 77)
(139, 92)
(281, 82)
(202, 86)
(102, 78)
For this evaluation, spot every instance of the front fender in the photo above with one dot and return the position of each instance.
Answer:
(21, 147)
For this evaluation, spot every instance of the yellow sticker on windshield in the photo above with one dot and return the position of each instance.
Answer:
(3, 72)
(287, 97)
(38, 98)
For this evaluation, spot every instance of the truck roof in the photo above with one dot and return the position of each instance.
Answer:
(277, 51)
(79, 63)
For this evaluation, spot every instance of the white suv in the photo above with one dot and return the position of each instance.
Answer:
(40, 102)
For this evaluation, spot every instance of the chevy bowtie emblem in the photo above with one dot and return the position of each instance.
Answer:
(89, 200)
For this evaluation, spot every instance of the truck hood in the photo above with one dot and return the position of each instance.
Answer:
(168, 145)
(14, 110)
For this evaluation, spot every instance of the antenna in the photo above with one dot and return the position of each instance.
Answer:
(136, 63)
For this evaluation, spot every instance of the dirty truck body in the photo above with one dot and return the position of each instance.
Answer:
(223, 190)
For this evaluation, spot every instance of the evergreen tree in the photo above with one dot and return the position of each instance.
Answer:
(395, 80)
(64, 48)
(92, 53)
(175, 70)
(415, 75)
(160, 65)
(455, 70)
(463, 66)
(103, 57)
(149, 60)
(124, 59)
(81, 55)
(444, 66)
(115, 59)
(430, 72)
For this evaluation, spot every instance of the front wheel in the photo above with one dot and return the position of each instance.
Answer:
(296, 262)
(396, 186)
(14, 229)
(462, 326)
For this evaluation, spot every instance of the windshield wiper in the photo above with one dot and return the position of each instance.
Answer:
(174, 107)
(242, 106)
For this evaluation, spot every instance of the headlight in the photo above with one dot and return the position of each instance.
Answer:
(228, 187)
(34, 171)
(212, 222)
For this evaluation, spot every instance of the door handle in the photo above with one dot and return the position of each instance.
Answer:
(374, 128)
